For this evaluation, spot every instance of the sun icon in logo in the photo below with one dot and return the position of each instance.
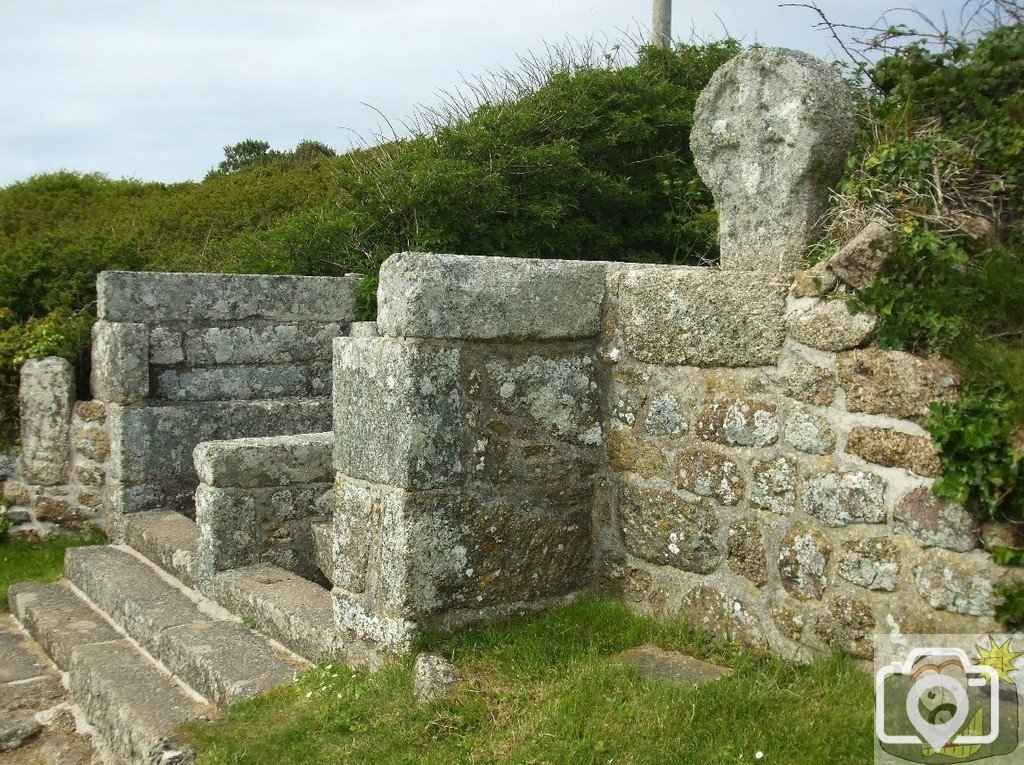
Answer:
(999, 657)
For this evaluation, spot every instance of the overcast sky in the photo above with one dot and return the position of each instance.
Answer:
(155, 90)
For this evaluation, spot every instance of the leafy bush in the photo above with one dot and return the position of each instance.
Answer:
(940, 156)
(581, 159)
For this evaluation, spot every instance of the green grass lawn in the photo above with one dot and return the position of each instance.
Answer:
(35, 559)
(542, 691)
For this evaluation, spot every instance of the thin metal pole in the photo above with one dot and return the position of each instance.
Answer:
(661, 24)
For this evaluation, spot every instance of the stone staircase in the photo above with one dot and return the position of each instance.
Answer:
(144, 651)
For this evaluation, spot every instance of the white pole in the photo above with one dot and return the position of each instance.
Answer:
(661, 25)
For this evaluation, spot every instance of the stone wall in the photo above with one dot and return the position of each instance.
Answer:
(258, 501)
(180, 359)
(772, 475)
(177, 359)
(59, 476)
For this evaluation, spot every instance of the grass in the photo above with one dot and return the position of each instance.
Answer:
(542, 691)
(22, 559)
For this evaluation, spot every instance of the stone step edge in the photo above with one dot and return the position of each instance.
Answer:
(208, 607)
(83, 727)
(146, 655)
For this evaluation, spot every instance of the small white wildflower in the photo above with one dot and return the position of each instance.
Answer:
(309, 694)
(758, 755)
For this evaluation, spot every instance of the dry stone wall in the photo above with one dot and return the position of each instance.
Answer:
(783, 498)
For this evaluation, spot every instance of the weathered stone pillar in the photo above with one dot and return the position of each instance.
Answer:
(47, 397)
(771, 133)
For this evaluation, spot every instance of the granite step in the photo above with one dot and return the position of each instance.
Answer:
(133, 705)
(323, 548)
(168, 539)
(218, 656)
(282, 605)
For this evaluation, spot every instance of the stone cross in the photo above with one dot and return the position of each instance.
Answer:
(771, 133)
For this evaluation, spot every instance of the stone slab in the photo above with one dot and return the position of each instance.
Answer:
(398, 412)
(58, 619)
(771, 132)
(323, 548)
(654, 663)
(167, 538)
(120, 362)
(223, 660)
(702, 317)
(151, 444)
(130, 593)
(295, 612)
(132, 705)
(274, 344)
(47, 396)
(242, 382)
(265, 462)
(489, 298)
(154, 298)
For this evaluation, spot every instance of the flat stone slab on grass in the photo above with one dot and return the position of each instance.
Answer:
(655, 663)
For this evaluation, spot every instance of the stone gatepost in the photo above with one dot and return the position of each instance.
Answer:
(47, 397)
(771, 133)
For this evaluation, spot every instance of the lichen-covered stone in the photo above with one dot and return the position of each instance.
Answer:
(91, 411)
(17, 493)
(661, 527)
(838, 499)
(803, 557)
(771, 133)
(269, 461)
(808, 380)
(91, 442)
(276, 344)
(558, 394)
(363, 329)
(788, 620)
(47, 395)
(239, 383)
(828, 325)
(936, 522)
(629, 454)
(120, 362)
(665, 416)
(860, 261)
(153, 444)
(815, 281)
(848, 625)
(962, 584)
(807, 431)
(774, 485)
(890, 448)
(489, 298)
(60, 510)
(89, 475)
(625, 403)
(701, 317)
(738, 422)
(895, 383)
(398, 412)
(434, 677)
(871, 563)
(273, 524)
(746, 552)
(153, 298)
(166, 346)
(710, 472)
(727, 617)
